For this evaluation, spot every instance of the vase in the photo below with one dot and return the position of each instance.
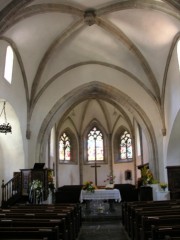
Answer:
(163, 189)
(50, 197)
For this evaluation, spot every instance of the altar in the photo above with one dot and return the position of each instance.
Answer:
(98, 197)
(101, 194)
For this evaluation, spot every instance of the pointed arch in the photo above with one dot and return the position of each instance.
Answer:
(122, 145)
(91, 90)
(98, 148)
(67, 147)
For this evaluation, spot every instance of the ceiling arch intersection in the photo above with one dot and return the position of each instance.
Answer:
(95, 90)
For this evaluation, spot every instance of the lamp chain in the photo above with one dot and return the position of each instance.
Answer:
(3, 110)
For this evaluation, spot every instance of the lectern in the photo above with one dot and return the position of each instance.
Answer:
(37, 173)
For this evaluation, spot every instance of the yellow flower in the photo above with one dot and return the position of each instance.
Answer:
(88, 186)
(146, 175)
(163, 185)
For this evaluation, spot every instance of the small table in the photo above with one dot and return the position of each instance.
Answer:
(162, 195)
(101, 194)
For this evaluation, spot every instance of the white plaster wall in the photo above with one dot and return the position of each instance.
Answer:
(68, 174)
(172, 107)
(13, 147)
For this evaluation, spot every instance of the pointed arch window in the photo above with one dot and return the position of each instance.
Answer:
(122, 146)
(9, 64)
(65, 147)
(125, 146)
(68, 147)
(95, 145)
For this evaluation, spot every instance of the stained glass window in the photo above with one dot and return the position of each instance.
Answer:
(125, 146)
(65, 147)
(95, 145)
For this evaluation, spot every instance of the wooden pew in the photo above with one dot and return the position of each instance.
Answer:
(29, 233)
(160, 232)
(129, 208)
(134, 208)
(25, 238)
(75, 210)
(48, 223)
(43, 215)
(148, 221)
(136, 223)
(71, 221)
(171, 238)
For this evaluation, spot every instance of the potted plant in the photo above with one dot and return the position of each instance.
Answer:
(163, 186)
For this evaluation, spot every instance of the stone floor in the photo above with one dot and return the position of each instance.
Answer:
(101, 222)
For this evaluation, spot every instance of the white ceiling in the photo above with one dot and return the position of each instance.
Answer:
(52, 36)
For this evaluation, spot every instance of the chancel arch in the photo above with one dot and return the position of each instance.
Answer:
(97, 90)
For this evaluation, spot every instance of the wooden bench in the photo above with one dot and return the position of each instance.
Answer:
(129, 208)
(71, 212)
(136, 222)
(75, 210)
(43, 215)
(29, 233)
(24, 222)
(148, 221)
(68, 213)
(171, 238)
(134, 212)
(14, 238)
(139, 208)
(160, 232)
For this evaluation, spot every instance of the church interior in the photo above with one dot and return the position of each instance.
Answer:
(90, 93)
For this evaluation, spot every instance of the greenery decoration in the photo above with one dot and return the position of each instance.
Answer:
(147, 176)
(88, 186)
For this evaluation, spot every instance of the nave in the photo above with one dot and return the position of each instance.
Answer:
(103, 230)
(102, 225)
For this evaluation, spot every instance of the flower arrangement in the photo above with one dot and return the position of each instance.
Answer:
(110, 179)
(88, 186)
(36, 185)
(147, 176)
(50, 180)
(163, 186)
(36, 191)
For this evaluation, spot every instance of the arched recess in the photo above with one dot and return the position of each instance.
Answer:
(95, 123)
(74, 145)
(116, 142)
(11, 144)
(173, 150)
(108, 93)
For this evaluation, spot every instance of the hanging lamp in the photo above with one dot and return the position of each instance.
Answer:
(4, 127)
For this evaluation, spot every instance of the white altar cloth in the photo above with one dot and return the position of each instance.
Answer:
(101, 194)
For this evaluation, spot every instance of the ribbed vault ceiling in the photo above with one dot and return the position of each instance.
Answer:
(54, 37)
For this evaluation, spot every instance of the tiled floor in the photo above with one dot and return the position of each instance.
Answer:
(107, 230)
(99, 222)
(100, 210)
